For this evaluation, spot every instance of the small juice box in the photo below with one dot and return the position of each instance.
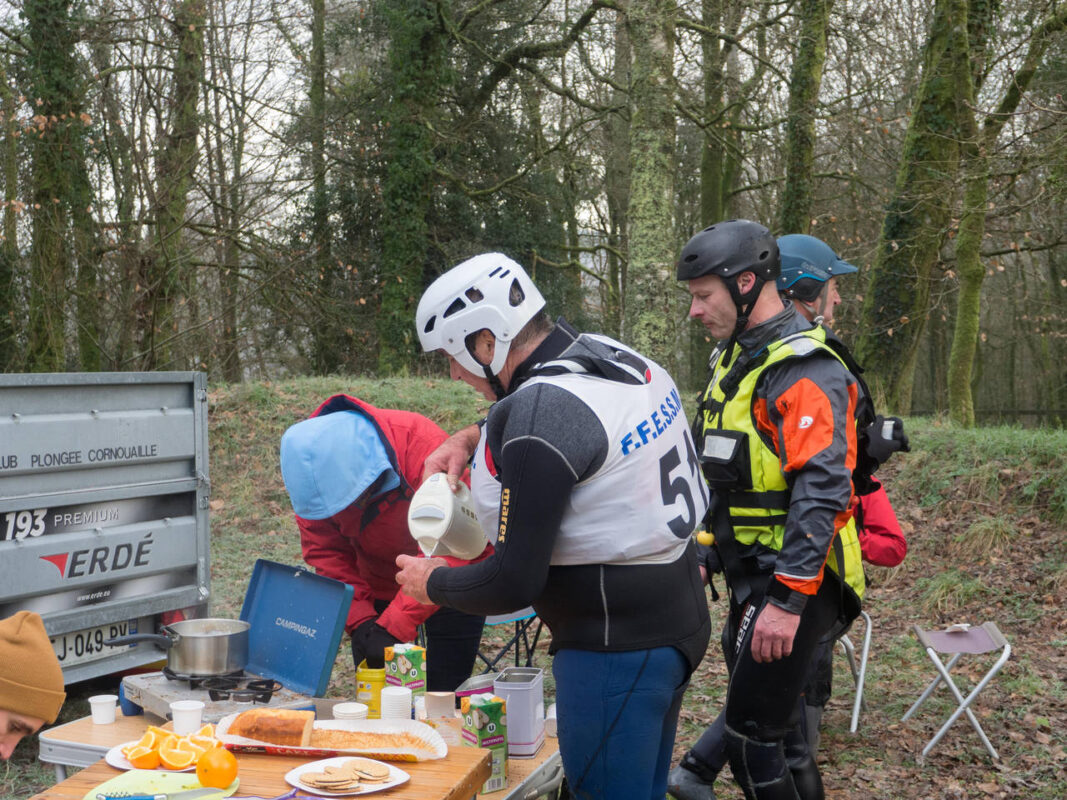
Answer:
(405, 665)
(485, 724)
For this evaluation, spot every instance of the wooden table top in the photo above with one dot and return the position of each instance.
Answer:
(122, 730)
(457, 776)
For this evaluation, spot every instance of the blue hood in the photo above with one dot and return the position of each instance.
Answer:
(330, 460)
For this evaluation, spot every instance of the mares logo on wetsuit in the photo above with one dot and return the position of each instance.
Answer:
(505, 499)
(742, 629)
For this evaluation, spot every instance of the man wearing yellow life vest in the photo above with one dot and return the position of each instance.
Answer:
(776, 434)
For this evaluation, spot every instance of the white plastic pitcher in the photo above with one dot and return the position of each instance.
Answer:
(443, 523)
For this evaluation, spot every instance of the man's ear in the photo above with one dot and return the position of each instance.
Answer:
(745, 281)
(484, 346)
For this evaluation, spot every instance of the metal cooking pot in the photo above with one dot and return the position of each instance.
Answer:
(199, 647)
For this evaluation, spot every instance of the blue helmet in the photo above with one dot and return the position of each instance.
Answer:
(807, 264)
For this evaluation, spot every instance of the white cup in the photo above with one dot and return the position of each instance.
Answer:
(103, 708)
(396, 702)
(186, 716)
(350, 711)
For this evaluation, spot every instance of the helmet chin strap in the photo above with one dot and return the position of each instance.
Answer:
(494, 382)
(818, 312)
(744, 304)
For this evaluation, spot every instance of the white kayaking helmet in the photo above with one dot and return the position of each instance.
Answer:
(488, 292)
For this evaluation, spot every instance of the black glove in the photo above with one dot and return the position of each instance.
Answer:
(886, 436)
(369, 641)
(708, 557)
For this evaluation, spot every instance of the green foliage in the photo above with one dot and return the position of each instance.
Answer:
(987, 535)
(1011, 469)
(948, 591)
(417, 78)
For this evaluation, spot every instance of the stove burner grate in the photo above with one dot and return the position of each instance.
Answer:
(253, 691)
(197, 681)
(234, 686)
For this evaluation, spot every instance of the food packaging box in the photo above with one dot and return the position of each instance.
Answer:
(405, 665)
(476, 684)
(485, 724)
(524, 690)
(296, 621)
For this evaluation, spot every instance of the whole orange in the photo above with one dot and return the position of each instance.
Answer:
(217, 768)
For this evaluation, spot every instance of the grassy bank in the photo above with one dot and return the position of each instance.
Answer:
(985, 512)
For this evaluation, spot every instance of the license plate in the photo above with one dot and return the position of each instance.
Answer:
(78, 647)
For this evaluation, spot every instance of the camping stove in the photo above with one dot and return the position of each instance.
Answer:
(221, 695)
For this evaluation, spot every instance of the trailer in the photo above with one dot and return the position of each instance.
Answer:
(104, 494)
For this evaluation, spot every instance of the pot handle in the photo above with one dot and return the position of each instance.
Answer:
(175, 637)
(162, 642)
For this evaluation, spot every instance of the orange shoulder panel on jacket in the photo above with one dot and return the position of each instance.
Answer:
(807, 423)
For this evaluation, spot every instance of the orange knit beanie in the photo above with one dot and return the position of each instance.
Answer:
(31, 680)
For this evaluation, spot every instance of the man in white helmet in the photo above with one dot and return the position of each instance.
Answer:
(585, 476)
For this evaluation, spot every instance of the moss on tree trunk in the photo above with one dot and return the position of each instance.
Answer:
(804, 83)
(653, 307)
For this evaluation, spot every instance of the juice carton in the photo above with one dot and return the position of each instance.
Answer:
(405, 665)
(485, 725)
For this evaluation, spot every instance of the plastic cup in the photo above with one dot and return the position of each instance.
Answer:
(102, 707)
(396, 702)
(186, 716)
(350, 711)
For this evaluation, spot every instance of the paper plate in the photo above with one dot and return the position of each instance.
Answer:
(116, 759)
(421, 743)
(396, 777)
(146, 781)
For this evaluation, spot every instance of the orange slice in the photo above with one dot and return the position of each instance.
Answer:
(150, 740)
(143, 757)
(204, 742)
(173, 756)
(191, 746)
(208, 731)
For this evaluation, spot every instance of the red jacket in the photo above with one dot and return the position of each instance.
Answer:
(360, 547)
(881, 538)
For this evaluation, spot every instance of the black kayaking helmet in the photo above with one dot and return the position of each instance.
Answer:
(729, 248)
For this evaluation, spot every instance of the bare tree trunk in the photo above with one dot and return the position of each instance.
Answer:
(977, 149)
(169, 263)
(804, 84)
(712, 194)
(617, 181)
(897, 300)
(118, 153)
(9, 248)
(328, 350)
(653, 308)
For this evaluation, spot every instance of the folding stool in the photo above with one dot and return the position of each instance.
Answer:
(957, 640)
(859, 674)
(520, 641)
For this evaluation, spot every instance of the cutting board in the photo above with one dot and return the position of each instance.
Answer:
(144, 781)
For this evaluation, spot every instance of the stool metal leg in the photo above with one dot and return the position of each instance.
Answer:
(862, 676)
(929, 689)
(965, 704)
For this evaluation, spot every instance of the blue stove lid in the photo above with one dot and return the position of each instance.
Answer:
(297, 619)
